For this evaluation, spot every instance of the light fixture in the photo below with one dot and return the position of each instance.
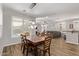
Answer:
(33, 22)
(32, 27)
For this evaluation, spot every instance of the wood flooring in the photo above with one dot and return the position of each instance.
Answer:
(58, 48)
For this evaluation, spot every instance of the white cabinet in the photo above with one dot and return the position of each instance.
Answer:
(72, 37)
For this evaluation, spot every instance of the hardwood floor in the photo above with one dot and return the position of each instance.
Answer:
(58, 48)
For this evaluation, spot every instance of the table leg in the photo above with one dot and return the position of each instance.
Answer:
(35, 51)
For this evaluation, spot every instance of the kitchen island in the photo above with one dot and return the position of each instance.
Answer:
(72, 37)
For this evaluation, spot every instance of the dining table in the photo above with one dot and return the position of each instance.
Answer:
(35, 41)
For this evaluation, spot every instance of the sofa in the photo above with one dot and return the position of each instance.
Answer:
(55, 34)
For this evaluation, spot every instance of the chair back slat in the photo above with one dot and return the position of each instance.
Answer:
(47, 43)
(23, 39)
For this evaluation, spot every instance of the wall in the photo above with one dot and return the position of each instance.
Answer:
(0, 21)
(50, 25)
(1, 25)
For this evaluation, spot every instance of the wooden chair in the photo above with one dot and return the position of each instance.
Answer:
(25, 45)
(23, 38)
(45, 48)
(23, 42)
(42, 34)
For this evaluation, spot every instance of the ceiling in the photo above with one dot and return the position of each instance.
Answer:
(56, 10)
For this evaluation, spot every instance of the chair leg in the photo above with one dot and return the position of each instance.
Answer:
(35, 51)
(23, 49)
(49, 52)
(40, 53)
(21, 46)
(27, 51)
(44, 53)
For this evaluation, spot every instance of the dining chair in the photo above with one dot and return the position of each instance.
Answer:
(45, 48)
(26, 46)
(42, 34)
(23, 37)
(23, 42)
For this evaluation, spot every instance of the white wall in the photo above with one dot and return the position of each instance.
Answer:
(1, 25)
(50, 24)
(0, 21)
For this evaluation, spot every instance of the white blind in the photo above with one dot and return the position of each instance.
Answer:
(16, 26)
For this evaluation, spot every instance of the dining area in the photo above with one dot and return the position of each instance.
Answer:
(38, 45)
(23, 34)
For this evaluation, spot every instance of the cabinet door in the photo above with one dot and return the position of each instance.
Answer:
(72, 38)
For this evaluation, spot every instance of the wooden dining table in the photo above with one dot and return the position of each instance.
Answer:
(36, 41)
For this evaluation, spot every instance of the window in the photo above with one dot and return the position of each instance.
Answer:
(27, 25)
(17, 24)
